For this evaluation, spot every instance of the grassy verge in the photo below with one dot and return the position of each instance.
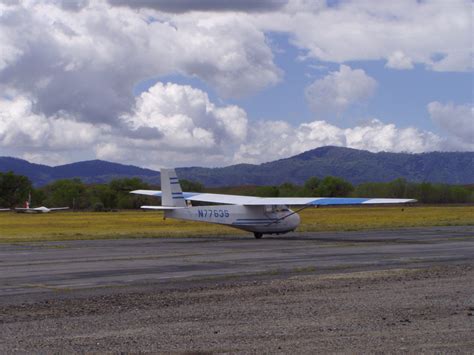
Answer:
(89, 225)
(359, 218)
(92, 225)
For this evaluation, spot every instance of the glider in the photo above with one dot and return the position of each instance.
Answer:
(260, 215)
(42, 209)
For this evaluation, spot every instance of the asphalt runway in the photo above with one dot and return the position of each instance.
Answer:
(45, 268)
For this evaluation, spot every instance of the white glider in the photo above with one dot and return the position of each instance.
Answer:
(42, 209)
(260, 215)
(4, 209)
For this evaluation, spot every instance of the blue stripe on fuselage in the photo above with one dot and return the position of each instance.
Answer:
(257, 219)
(253, 223)
(191, 194)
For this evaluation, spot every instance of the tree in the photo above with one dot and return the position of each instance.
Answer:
(332, 186)
(104, 195)
(191, 186)
(397, 188)
(266, 191)
(68, 193)
(14, 189)
(122, 187)
(38, 197)
(311, 186)
(127, 184)
(372, 189)
(426, 193)
(459, 194)
(288, 189)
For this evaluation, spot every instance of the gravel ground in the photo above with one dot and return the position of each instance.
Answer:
(401, 310)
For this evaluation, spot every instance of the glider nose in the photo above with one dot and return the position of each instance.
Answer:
(295, 220)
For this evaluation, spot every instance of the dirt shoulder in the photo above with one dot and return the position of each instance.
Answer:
(415, 310)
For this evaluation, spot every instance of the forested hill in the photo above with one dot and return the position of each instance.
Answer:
(354, 165)
(92, 171)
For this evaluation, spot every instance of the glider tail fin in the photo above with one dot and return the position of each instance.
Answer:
(172, 195)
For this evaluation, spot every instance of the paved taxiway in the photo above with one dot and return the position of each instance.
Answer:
(51, 266)
(407, 291)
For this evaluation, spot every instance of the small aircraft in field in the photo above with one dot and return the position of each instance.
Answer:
(4, 209)
(260, 215)
(42, 209)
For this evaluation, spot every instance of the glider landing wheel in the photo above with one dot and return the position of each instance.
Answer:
(258, 235)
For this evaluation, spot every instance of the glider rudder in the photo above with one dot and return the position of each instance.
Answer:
(172, 195)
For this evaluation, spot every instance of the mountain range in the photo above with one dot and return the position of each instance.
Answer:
(356, 166)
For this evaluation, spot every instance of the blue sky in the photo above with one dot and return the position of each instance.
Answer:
(213, 84)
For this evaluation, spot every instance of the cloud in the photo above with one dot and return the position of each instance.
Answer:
(191, 128)
(177, 125)
(456, 120)
(27, 131)
(180, 6)
(376, 136)
(338, 90)
(68, 70)
(187, 119)
(276, 140)
(85, 58)
(228, 52)
(72, 5)
(398, 60)
(437, 34)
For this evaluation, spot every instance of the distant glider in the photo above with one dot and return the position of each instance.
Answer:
(42, 209)
(260, 215)
(4, 209)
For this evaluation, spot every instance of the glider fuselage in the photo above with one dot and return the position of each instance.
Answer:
(257, 219)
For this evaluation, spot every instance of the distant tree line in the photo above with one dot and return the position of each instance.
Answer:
(16, 189)
(331, 186)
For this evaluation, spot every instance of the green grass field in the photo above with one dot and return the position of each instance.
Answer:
(92, 225)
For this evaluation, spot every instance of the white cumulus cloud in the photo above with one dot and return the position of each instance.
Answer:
(377, 136)
(398, 60)
(186, 117)
(437, 34)
(177, 125)
(456, 120)
(27, 131)
(87, 61)
(340, 89)
(189, 128)
(276, 140)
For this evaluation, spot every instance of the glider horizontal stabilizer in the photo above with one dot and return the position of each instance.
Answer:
(160, 208)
